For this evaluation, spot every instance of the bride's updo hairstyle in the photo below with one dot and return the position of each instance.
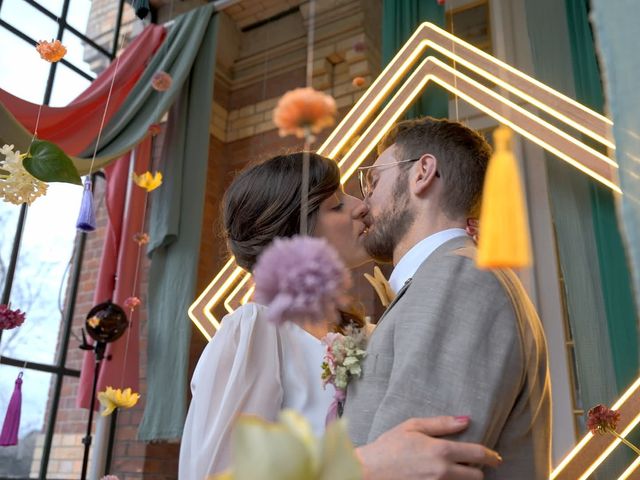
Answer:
(263, 202)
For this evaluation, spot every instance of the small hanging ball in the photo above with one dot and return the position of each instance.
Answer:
(440, 2)
(106, 322)
(358, 82)
(161, 81)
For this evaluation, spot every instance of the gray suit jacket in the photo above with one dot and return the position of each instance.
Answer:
(452, 343)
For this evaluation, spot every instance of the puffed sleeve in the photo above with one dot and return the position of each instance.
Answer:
(238, 372)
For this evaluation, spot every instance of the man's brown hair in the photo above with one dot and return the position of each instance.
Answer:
(462, 155)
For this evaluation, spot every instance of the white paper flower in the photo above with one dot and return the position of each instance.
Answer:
(18, 186)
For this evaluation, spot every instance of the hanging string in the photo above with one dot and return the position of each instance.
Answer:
(304, 204)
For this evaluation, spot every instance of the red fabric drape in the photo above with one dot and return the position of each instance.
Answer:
(75, 126)
(117, 273)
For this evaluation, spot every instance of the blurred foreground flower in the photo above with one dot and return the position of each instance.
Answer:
(52, 51)
(113, 398)
(288, 450)
(10, 318)
(161, 81)
(18, 186)
(602, 420)
(147, 181)
(303, 111)
(300, 278)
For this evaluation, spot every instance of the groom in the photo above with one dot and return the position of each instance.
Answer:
(456, 340)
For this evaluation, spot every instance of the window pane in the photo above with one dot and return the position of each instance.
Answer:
(65, 458)
(97, 20)
(8, 222)
(67, 85)
(18, 461)
(17, 56)
(28, 20)
(40, 280)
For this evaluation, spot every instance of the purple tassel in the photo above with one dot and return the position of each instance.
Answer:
(11, 425)
(87, 217)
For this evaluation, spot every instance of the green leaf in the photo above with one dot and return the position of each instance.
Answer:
(48, 163)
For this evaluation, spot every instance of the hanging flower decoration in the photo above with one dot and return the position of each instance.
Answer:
(161, 81)
(358, 82)
(10, 318)
(17, 185)
(602, 420)
(52, 51)
(300, 278)
(113, 398)
(141, 238)
(132, 303)
(303, 111)
(147, 181)
(154, 129)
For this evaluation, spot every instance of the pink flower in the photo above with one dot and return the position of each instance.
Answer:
(132, 302)
(161, 81)
(601, 419)
(141, 238)
(300, 278)
(10, 318)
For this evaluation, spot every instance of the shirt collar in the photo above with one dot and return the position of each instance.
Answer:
(411, 261)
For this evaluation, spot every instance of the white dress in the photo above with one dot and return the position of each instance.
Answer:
(250, 366)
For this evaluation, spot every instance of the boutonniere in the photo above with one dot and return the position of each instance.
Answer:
(342, 361)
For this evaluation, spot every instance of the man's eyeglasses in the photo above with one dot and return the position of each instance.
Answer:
(365, 180)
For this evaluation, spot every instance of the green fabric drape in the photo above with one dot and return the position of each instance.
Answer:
(570, 196)
(614, 272)
(400, 19)
(176, 226)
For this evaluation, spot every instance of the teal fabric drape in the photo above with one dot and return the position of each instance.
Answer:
(616, 27)
(614, 272)
(176, 227)
(400, 18)
(570, 196)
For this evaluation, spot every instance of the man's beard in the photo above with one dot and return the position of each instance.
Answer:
(388, 228)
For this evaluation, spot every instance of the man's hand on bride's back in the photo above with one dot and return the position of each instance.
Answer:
(412, 451)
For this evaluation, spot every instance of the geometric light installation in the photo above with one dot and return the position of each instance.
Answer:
(515, 100)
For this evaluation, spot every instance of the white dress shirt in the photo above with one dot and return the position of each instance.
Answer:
(249, 367)
(409, 263)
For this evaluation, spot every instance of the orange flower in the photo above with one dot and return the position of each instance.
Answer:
(52, 51)
(358, 82)
(304, 110)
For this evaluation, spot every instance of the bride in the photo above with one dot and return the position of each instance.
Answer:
(252, 366)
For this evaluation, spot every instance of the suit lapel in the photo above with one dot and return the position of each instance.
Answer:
(395, 300)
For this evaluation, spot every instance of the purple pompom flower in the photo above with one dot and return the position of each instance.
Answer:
(300, 278)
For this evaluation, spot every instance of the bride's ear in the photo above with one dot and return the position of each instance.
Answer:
(424, 174)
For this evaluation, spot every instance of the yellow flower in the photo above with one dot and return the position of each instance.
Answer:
(52, 51)
(113, 398)
(147, 181)
(93, 322)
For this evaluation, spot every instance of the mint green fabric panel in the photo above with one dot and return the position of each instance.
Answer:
(400, 19)
(175, 229)
(616, 26)
(614, 271)
(570, 196)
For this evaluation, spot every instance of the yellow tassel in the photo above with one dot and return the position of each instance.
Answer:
(504, 233)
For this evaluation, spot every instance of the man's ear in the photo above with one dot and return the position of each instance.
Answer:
(424, 174)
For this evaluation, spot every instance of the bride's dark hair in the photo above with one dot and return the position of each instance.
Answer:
(263, 202)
